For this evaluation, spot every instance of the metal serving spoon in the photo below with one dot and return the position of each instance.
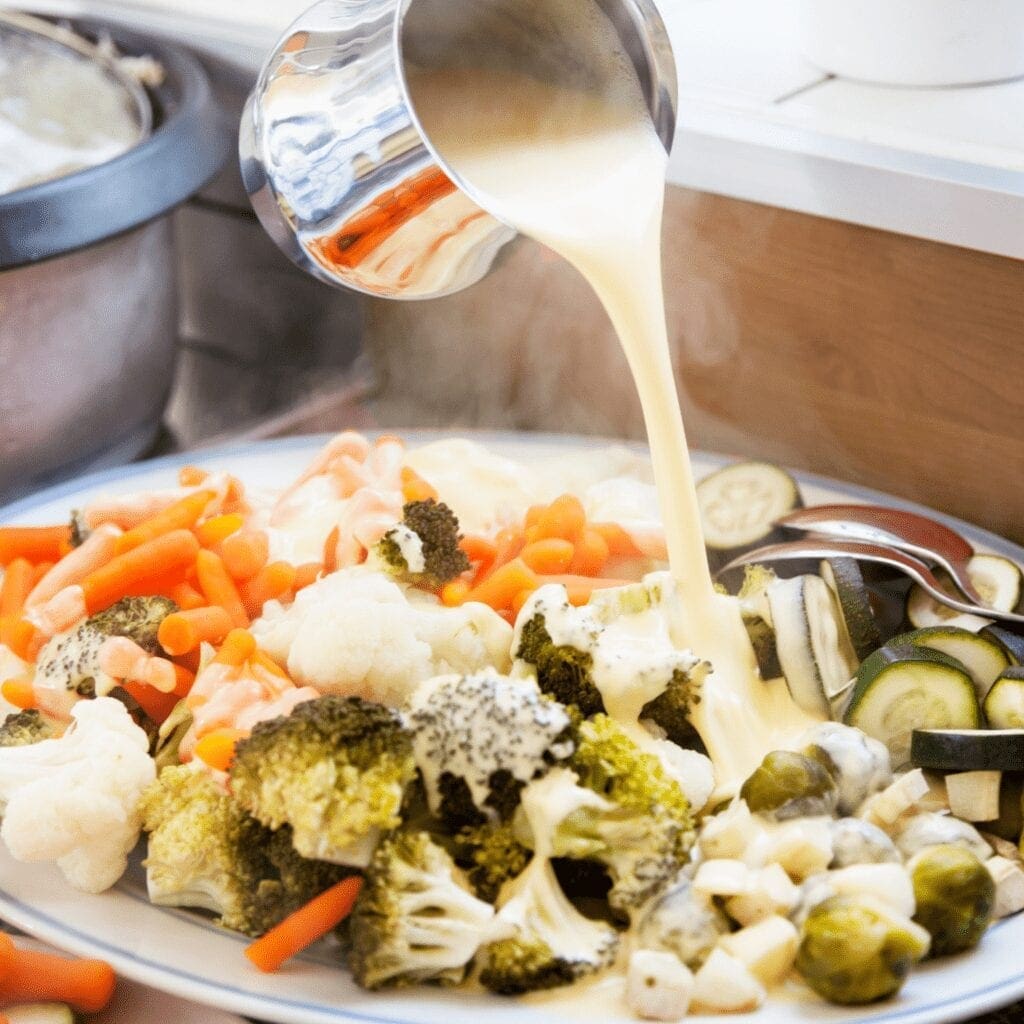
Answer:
(893, 528)
(918, 571)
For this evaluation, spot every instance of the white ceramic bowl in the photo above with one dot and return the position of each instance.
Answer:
(915, 42)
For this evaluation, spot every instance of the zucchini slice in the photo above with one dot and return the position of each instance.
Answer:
(997, 580)
(813, 651)
(968, 750)
(845, 580)
(1012, 643)
(1004, 704)
(983, 657)
(739, 505)
(906, 688)
(924, 612)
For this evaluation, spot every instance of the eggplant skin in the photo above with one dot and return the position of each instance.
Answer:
(968, 750)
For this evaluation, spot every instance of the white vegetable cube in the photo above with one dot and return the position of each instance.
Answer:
(1009, 878)
(659, 985)
(802, 847)
(906, 793)
(730, 833)
(974, 796)
(767, 949)
(722, 878)
(888, 883)
(724, 985)
(770, 892)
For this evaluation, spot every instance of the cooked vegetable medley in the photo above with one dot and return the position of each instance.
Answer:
(442, 722)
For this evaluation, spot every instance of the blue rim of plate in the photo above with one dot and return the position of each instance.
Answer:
(46, 927)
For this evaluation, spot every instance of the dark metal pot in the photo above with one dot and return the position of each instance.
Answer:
(88, 303)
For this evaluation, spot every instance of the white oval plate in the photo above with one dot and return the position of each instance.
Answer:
(185, 954)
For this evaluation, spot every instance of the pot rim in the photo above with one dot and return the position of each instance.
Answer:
(190, 142)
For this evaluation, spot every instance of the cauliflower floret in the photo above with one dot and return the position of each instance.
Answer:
(74, 800)
(357, 633)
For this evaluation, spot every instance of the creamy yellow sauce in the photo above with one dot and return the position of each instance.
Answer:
(583, 172)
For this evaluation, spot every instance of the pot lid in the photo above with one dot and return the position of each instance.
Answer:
(64, 104)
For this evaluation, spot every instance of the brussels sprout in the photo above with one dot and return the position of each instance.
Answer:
(859, 842)
(683, 922)
(788, 785)
(931, 829)
(955, 895)
(855, 950)
(858, 764)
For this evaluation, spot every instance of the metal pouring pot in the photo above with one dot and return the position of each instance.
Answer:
(338, 166)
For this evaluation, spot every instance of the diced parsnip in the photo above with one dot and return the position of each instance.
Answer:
(888, 883)
(767, 949)
(884, 809)
(1009, 878)
(770, 892)
(974, 796)
(802, 847)
(936, 799)
(659, 985)
(730, 833)
(724, 985)
(722, 878)
(1003, 847)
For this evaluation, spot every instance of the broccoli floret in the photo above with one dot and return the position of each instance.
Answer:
(424, 547)
(479, 739)
(490, 854)
(205, 851)
(137, 618)
(415, 920)
(670, 711)
(24, 728)
(551, 942)
(336, 770)
(563, 671)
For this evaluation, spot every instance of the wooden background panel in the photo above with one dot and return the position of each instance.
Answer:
(876, 358)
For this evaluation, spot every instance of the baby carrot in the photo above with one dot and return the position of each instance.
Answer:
(271, 582)
(245, 553)
(33, 543)
(307, 574)
(564, 517)
(94, 552)
(21, 637)
(238, 647)
(182, 632)
(185, 596)
(414, 487)
(580, 588)
(590, 555)
(163, 554)
(454, 593)
(19, 692)
(217, 748)
(306, 925)
(480, 551)
(30, 977)
(211, 532)
(182, 515)
(552, 555)
(502, 586)
(507, 545)
(219, 588)
(192, 476)
(158, 706)
(331, 551)
(620, 543)
(183, 680)
(19, 578)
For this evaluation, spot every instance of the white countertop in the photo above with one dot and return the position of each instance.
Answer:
(760, 123)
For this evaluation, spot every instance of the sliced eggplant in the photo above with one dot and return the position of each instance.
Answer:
(968, 749)
(846, 581)
(739, 506)
(1004, 704)
(983, 657)
(814, 653)
(905, 688)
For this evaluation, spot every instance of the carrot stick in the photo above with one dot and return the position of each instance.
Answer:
(158, 706)
(244, 554)
(34, 543)
(552, 555)
(30, 977)
(174, 550)
(17, 585)
(590, 555)
(304, 927)
(217, 748)
(564, 517)
(238, 647)
(93, 553)
(271, 582)
(219, 588)
(186, 597)
(182, 515)
(182, 632)
(192, 476)
(219, 528)
(414, 487)
(502, 586)
(19, 692)
(307, 574)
